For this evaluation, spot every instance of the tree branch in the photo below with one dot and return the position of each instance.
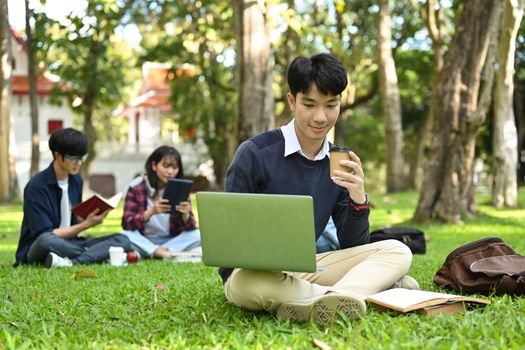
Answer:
(366, 97)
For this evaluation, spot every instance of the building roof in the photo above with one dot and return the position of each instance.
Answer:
(156, 90)
(152, 98)
(19, 38)
(21, 85)
(156, 76)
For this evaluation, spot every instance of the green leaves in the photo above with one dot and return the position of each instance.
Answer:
(83, 52)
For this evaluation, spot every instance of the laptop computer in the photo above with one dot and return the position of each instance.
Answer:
(257, 231)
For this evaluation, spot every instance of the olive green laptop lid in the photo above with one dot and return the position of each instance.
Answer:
(257, 231)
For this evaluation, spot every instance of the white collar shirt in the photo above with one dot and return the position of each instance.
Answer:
(292, 145)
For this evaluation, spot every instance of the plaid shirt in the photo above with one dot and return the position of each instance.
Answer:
(135, 205)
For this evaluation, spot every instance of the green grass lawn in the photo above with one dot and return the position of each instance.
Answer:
(122, 308)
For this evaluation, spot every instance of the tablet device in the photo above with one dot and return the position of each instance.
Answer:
(177, 190)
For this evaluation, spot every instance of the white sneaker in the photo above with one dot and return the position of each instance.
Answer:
(53, 260)
(406, 282)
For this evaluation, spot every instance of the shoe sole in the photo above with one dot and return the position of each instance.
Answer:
(323, 310)
(326, 309)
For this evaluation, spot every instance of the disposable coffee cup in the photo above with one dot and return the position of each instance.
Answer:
(117, 257)
(338, 153)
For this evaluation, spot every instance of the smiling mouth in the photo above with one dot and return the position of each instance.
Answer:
(317, 128)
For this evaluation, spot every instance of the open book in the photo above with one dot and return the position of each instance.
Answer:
(191, 256)
(86, 207)
(428, 303)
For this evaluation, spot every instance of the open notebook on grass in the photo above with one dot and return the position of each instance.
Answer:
(425, 302)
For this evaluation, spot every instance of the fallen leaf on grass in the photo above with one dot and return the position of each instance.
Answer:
(85, 272)
(321, 344)
(159, 287)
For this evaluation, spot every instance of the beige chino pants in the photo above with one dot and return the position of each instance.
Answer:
(358, 271)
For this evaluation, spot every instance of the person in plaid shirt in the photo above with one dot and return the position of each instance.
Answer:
(153, 229)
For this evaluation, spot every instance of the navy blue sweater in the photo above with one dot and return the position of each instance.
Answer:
(259, 166)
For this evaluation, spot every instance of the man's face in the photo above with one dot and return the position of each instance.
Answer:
(315, 114)
(69, 164)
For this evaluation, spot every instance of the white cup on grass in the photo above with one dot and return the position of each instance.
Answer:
(117, 257)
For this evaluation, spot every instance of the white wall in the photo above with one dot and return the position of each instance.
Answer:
(149, 125)
(20, 57)
(21, 117)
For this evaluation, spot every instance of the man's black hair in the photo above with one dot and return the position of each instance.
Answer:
(324, 70)
(68, 141)
(156, 157)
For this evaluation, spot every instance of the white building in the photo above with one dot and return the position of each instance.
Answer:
(147, 115)
(146, 112)
(115, 163)
(50, 117)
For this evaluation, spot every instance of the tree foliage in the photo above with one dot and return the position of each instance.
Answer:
(197, 38)
(82, 51)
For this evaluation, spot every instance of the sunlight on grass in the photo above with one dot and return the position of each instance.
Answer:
(11, 216)
(504, 214)
(10, 248)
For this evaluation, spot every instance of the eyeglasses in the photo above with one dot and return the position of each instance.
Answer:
(75, 159)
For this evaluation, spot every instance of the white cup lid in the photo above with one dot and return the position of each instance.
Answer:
(116, 249)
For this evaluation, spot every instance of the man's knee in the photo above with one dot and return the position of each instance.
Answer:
(45, 243)
(120, 240)
(402, 252)
(253, 289)
(250, 280)
(48, 242)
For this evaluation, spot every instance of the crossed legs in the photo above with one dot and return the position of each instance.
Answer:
(353, 272)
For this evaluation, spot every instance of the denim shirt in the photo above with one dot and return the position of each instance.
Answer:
(42, 197)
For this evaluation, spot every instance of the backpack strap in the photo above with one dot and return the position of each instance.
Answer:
(494, 266)
(508, 285)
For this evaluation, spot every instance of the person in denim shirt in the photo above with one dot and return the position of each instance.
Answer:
(50, 231)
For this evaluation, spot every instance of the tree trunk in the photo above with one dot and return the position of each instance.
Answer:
(255, 104)
(444, 193)
(391, 103)
(505, 141)
(485, 95)
(7, 178)
(435, 28)
(91, 135)
(340, 127)
(89, 105)
(519, 111)
(284, 116)
(31, 65)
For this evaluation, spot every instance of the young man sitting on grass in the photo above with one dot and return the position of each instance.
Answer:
(294, 159)
(50, 230)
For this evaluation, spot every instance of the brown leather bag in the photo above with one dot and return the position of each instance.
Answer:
(484, 266)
